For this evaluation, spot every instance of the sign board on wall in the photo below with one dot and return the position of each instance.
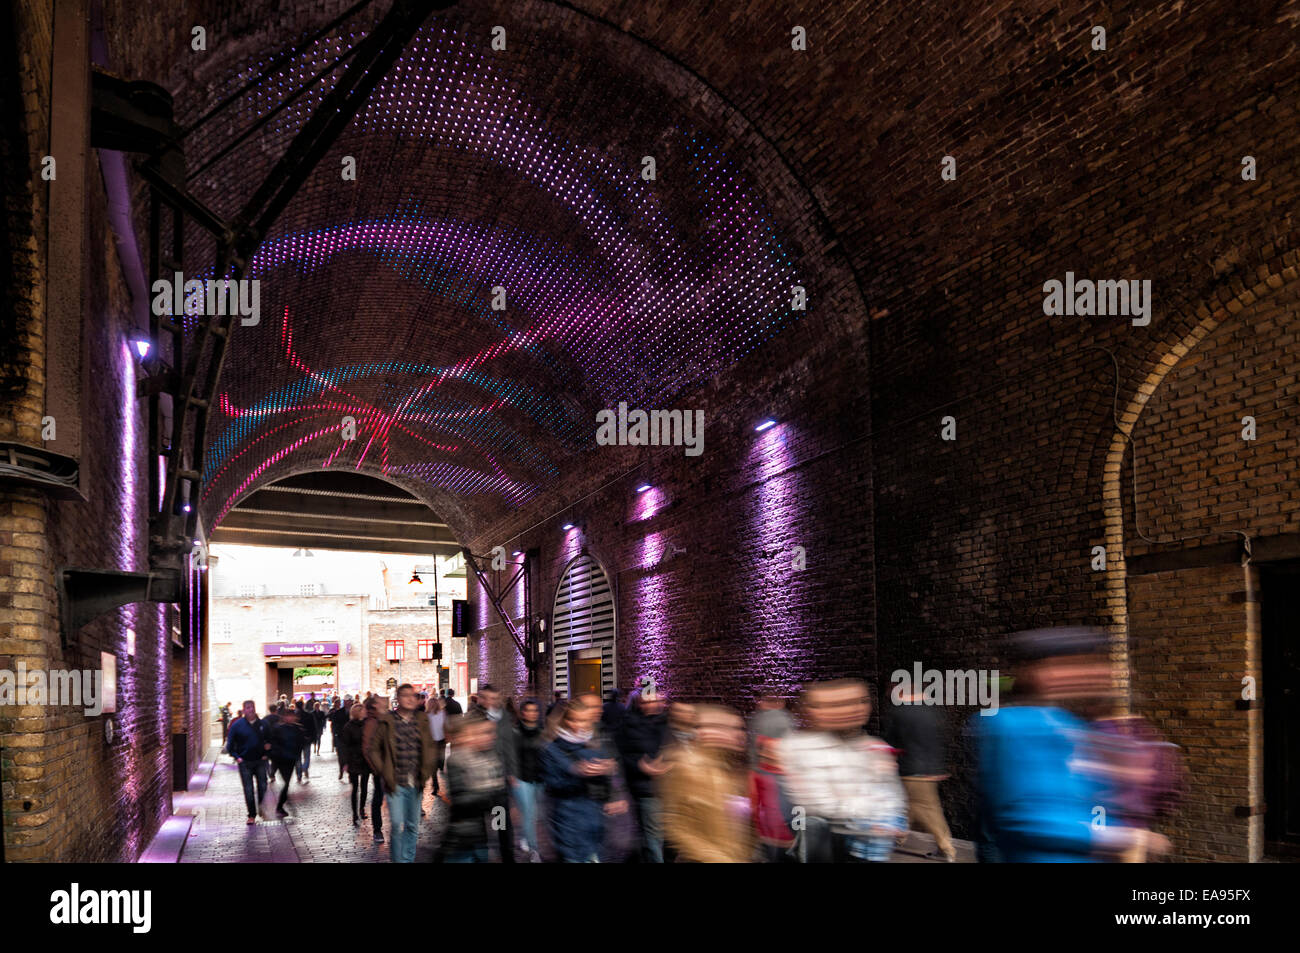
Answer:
(300, 648)
(108, 663)
(459, 623)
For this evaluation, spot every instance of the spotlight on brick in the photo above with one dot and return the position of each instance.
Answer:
(764, 426)
(566, 527)
(141, 345)
(643, 487)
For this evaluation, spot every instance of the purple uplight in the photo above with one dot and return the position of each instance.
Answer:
(778, 514)
(646, 504)
(566, 527)
(764, 426)
(643, 487)
(141, 345)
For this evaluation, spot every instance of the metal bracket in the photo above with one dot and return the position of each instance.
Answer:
(53, 472)
(527, 646)
(86, 594)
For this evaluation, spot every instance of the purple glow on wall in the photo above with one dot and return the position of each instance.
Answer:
(777, 508)
(646, 504)
(484, 614)
(572, 544)
(649, 551)
(128, 516)
(645, 623)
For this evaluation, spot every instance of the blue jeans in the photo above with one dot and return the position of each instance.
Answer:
(404, 817)
(304, 760)
(652, 835)
(526, 795)
(248, 770)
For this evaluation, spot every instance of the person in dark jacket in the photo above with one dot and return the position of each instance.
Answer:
(338, 719)
(916, 730)
(641, 735)
(506, 746)
(452, 706)
(352, 752)
(287, 741)
(369, 725)
(529, 744)
(318, 713)
(476, 784)
(268, 725)
(578, 768)
(611, 715)
(307, 726)
(248, 745)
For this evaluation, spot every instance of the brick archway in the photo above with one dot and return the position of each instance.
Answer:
(1274, 268)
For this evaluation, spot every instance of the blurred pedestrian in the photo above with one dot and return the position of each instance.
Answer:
(844, 780)
(506, 744)
(1037, 796)
(476, 784)
(353, 738)
(402, 750)
(250, 747)
(530, 743)
(287, 741)
(641, 736)
(916, 731)
(706, 806)
(578, 769)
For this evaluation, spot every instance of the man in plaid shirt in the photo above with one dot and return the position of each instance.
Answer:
(841, 782)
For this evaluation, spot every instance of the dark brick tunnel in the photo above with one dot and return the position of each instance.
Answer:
(835, 253)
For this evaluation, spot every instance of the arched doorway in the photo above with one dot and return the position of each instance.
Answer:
(584, 622)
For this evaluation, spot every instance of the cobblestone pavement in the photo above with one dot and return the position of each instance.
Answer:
(319, 828)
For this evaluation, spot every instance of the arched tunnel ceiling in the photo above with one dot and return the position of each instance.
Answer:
(1041, 127)
(476, 170)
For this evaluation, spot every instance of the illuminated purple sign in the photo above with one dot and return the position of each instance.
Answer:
(300, 648)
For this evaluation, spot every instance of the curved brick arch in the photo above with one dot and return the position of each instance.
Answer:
(537, 395)
(1270, 269)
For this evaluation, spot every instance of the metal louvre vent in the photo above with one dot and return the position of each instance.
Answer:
(583, 621)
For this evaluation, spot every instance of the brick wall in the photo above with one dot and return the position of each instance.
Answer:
(1192, 641)
(408, 626)
(238, 666)
(68, 794)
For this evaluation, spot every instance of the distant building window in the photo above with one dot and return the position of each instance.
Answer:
(307, 589)
(248, 592)
(428, 650)
(225, 632)
(278, 629)
(395, 649)
(433, 600)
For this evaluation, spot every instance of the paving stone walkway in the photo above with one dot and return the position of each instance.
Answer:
(319, 828)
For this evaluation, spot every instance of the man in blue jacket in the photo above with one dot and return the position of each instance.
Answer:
(1039, 784)
(247, 744)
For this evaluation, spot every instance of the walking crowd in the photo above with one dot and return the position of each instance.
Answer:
(704, 786)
